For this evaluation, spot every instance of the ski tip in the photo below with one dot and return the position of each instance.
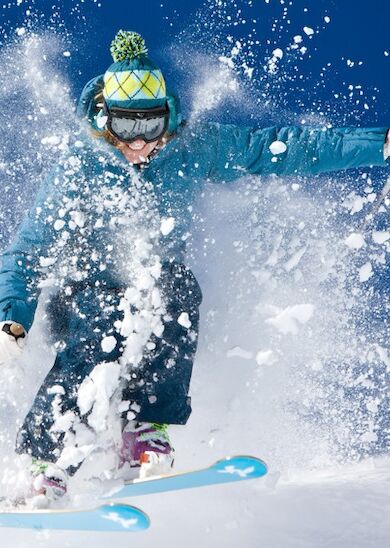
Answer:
(111, 517)
(126, 517)
(242, 466)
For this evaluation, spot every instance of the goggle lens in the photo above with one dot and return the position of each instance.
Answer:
(128, 129)
(128, 125)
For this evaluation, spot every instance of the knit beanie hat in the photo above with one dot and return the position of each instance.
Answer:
(133, 80)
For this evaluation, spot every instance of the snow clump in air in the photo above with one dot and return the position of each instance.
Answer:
(289, 319)
(273, 62)
(167, 225)
(184, 320)
(278, 147)
(108, 344)
(380, 236)
(238, 352)
(309, 31)
(355, 241)
(265, 357)
(365, 272)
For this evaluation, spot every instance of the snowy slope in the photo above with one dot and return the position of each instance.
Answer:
(349, 507)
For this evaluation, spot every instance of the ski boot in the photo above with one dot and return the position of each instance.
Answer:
(49, 481)
(146, 446)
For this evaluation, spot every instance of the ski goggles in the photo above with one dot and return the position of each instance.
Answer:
(148, 124)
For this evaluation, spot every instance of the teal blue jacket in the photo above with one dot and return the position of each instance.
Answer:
(197, 153)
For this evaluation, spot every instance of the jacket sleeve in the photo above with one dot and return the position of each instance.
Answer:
(236, 151)
(21, 264)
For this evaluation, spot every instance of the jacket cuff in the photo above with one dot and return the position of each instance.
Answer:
(17, 311)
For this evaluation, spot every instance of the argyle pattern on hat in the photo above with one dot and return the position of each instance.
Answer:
(135, 84)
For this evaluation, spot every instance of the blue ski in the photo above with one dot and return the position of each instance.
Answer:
(109, 517)
(227, 470)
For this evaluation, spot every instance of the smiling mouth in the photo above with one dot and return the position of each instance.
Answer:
(136, 146)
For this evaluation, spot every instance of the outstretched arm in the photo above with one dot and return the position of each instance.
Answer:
(20, 263)
(291, 150)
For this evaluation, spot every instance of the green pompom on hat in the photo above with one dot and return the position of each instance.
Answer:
(127, 45)
(133, 80)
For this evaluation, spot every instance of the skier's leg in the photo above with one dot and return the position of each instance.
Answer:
(80, 324)
(161, 383)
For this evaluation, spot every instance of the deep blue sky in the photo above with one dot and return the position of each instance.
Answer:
(359, 31)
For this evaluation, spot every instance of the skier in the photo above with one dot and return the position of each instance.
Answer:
(133, 127)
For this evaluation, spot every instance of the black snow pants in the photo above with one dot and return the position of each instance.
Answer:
(158, 386)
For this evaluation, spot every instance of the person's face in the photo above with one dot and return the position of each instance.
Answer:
(137, 151)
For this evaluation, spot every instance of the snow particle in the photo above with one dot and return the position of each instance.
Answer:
(59, 224)
(167, 225)
(355, 241)
(238, 352)
(287, 320)
(309, 31)
(108, 344)
(184, 320)
(56, 389)
(278, 147)
(278, 53)
(101, 121)
(365, 272)
(123, 406)
(380, 236)
(46, 261)
(265, 357)
(369, 437)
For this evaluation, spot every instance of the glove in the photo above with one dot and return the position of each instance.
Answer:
(12, 340)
